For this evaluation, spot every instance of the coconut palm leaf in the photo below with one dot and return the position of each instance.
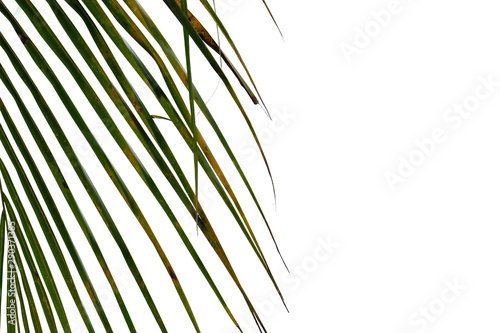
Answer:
(37, 243)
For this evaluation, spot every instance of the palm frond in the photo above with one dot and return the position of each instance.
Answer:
(102, 51)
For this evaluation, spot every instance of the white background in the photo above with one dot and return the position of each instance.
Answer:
(353, 121)
(339, 125)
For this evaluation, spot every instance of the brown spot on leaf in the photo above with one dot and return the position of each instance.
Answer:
(22, 36)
